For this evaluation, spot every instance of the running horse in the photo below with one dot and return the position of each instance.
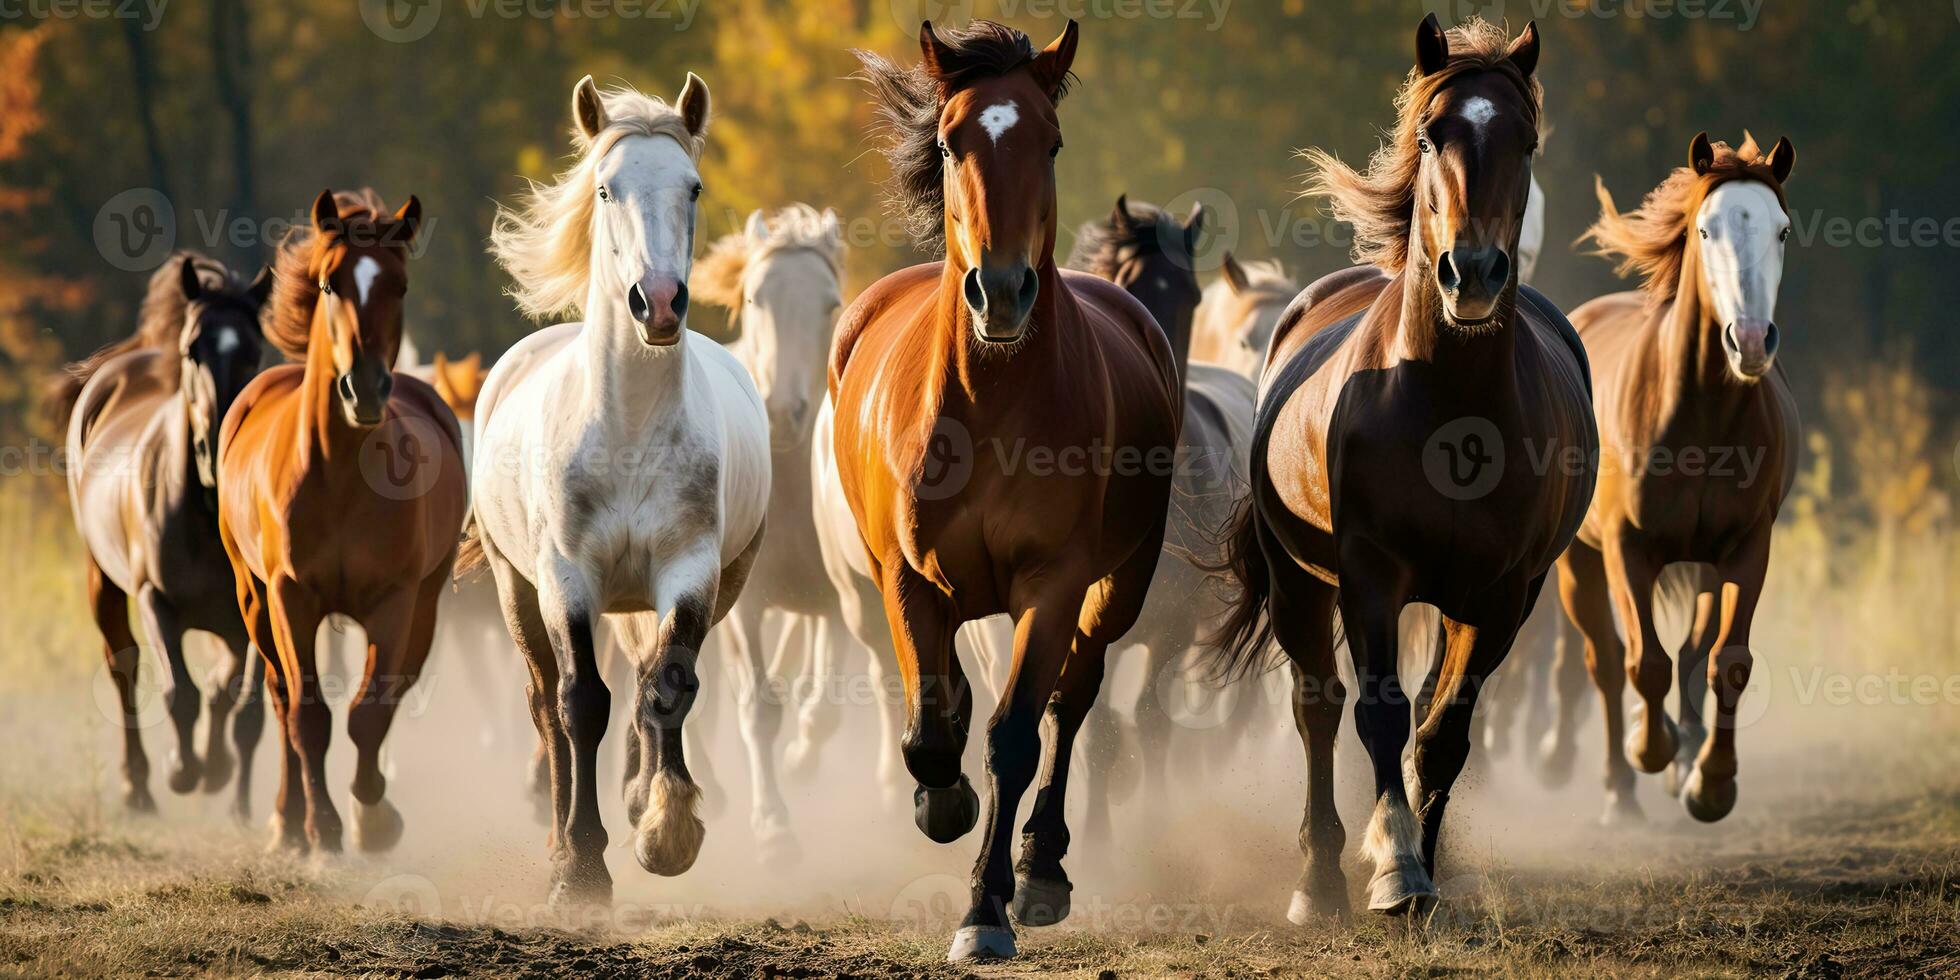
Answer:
(1700, 438)
(1404, 408)
(340, 491)
(1004, 433)
(142, 417)
(622, 471)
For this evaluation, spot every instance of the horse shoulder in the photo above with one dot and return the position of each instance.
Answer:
(424, 400)
(1547, 314)
(1129, 313)
(266, 387)
(870, 305)
(521, 361)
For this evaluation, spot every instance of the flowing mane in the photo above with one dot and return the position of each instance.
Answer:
(1101, 247)
(1380, 201)
(1652, 240)
(159, 325)
(909, 99)
(717, 277)
(296, 276)
(545, 243)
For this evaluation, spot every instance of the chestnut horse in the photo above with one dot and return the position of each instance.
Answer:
(142, 416)
(1404, 410)
(1700, 439)
(1004, 434)
(340, 491)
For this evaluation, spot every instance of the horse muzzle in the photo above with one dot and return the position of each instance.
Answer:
(658, 308)
(1000, 301)
(1471, 280)
(364, 396)
(1751, 344)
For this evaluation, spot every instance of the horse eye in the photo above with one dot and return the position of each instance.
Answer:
(1422, 144)
(1055, 151)
(326, 287)
(1783, 236)
(604, 195)
(1704, 234)
(944, 150)
(696, 194)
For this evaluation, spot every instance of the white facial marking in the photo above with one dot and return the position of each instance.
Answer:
(1742, 253)
(1479, 112)
(227, 340)
(998, 119)
(364, 272)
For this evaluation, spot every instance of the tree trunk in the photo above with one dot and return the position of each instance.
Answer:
(143, 72)
(231, 63)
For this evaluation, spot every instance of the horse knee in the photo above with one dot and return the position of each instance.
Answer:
(584, 706)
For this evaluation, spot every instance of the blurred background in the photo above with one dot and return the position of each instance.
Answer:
(128, 127)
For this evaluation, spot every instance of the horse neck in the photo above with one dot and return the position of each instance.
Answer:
(978, 372)
(1480, 363)
(1180, 338)
(323, 427)
(1693, 366)
(627, 382)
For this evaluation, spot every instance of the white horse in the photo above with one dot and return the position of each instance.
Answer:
(781, 279)
(622, 469)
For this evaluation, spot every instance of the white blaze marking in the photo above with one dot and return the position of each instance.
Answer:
(1479, 111)
(227, 340)
(364, 272)
(998, 119)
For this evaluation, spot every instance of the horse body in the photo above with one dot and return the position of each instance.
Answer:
(1700, 436)
(139, 486)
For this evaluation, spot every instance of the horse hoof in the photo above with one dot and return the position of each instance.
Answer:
(1687, 749)
(775, 845)
(185, 772)
(1040, 901)
(1622, 809)
(1708, 800)
(945, 815)
(575, 893)
(1650, 747)
(800, 754)
(137, 800)
(1305, 909)
(1555, 761)
(217, 770)
(670, 834)
(285, 839)
(1397, 888)
(377, 826)
(981, 943)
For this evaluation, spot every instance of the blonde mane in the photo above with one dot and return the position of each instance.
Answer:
(1652, 240)
(545, 243)
(717, 277)
(1380, 201)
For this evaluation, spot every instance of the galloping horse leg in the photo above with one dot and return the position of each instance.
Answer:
(1164, 673)
(289, 804)
(938, 706)
(1632, 575)
(1102, 743)
(761, 722)
(1042, 887)
(1043, 638)
(247, 723)
(1588, 604)
(111, 608)
(296, 618)
(1709, 793)
(550, 768)
(1567, 678)
(180, 694)
(819, 712)
(1372, 596)
(1303, 622)
(227, 681)
(400, 632)
(583, 705)
(1691, 664)
(1472, 653)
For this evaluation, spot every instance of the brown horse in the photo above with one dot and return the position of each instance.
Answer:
(1700, 439)
(1004, 435)
(141, 415)
(341, 490)
(1403, 409)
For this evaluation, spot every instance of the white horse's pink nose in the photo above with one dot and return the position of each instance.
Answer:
(658, 303)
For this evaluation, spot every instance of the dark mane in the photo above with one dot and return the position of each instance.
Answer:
(159, 326)
(1101, 247)
(295, 287)
(1652, 240)
(909, 99)
(1380, 201)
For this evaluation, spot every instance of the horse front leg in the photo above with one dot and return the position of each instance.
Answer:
(1587, 597)
(938, 706)
(400, 632)
(583, 706)
(550, 768)
(1709, 793)
(1302, 613)
(1372, 596)
(237, 695)
(180, 694)
(289, 804)
(296, 617)
(110, 606)
(1692, 669)
(1632, 575)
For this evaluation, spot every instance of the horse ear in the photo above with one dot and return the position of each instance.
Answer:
(1194, 226)
(441, 363)
(1235, 276)
(832, 226)
(1051, 66)
(588, 110)
(409, 217)
(1119, 219)
(1432, 46)
(934, 55)
(326, 213)
(1524, 50)
(261, 286)
(187, 279)
(1701, 153)
(757, 228)
(694, 105)
(1782, 159)
(473, 363)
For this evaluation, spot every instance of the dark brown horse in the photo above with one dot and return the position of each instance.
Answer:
(1404, 412)
(142, 417)
(341, 490)
(1699, 438)
(1004, 435)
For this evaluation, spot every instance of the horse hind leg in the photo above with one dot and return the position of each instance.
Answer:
(1584, 591)
(180, 694)
(248, 723)
(761, 723)
(1303, 622)
(110, 607)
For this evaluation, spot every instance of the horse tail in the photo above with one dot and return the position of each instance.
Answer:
(60, 396)
(470, 558)
(1243, 639)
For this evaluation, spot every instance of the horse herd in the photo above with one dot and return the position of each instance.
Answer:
(985, 435)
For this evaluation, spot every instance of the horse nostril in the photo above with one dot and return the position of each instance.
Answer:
(346, 385)
(1498, 272)
(680, 300)
(636, 303)
(1769, 340)
(1446, 274)
(976, 294)
(387, 385)
(1030, 288)
(1729, 339)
